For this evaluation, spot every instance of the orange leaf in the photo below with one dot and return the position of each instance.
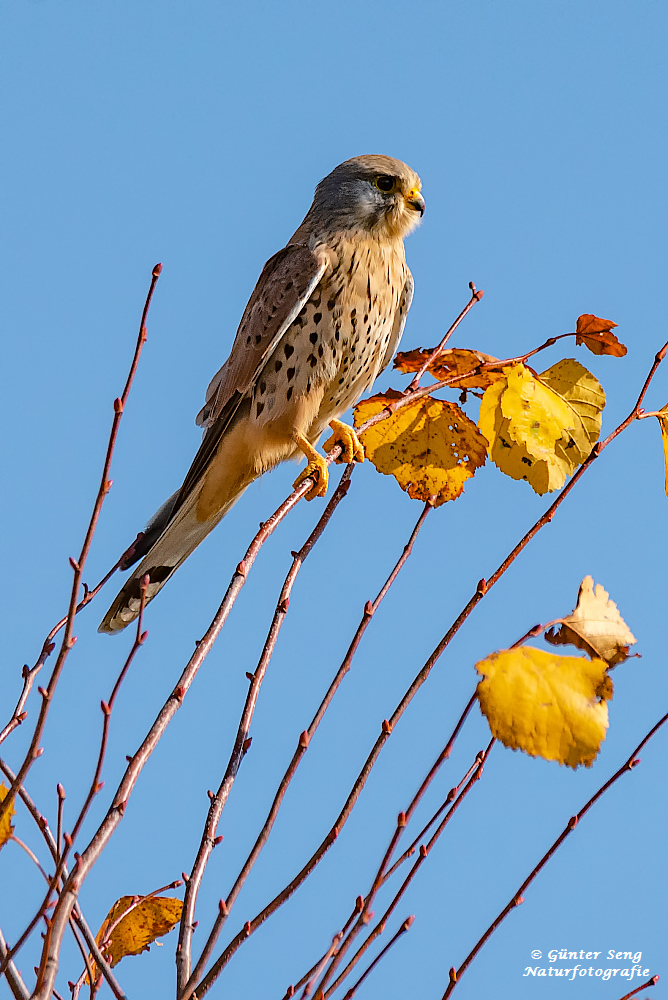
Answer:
(596, 334)
(132, 934)
(451, 362)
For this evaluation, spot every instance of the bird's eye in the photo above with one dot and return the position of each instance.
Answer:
(386, 184)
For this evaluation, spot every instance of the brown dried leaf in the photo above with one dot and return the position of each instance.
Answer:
(452, 361)
(595, 626)
(148, 920)
(429, 446)
(596, 334)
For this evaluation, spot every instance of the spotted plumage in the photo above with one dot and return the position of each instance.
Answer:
(324, 319)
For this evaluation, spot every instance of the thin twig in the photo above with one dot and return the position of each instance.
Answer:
(381, 954)
(433, 355)
(219, 800)
(78, 565)
(291, 990)
(643, 986)
(12, 975)
(475, 773)
(517, 898)
(482, 589)
(303, 743)
(77, 915)
(308, 987)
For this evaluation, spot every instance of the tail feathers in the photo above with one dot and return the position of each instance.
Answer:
(181, 536)
(147, 538)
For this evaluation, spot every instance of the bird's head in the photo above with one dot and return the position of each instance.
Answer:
(373, 194)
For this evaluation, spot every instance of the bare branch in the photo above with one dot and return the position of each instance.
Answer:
(518, 897)
(78, 566)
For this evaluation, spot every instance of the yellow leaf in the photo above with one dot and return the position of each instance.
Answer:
(663, 424)
(149, 919)
(596, 334)
(452, 361)
(429, 446)
(595, 626)
(547, 705)
(541, 428)
(6, 828)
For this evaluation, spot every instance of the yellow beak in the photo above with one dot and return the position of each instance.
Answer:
(416, 201)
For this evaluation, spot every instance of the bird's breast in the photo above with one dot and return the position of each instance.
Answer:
(334, 349)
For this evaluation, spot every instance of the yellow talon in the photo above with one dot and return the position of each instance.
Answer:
(352, 449)
(316, 468)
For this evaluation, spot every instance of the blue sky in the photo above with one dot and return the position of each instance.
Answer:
(194, 134)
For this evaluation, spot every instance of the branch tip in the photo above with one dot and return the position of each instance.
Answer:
(157, 271)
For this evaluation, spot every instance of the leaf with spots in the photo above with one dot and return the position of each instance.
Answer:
(549, 706)
(595, 626)
(429, 446)
(596, 334)
(144, 921)
(542, 427)
(6, 828)
(451, 362)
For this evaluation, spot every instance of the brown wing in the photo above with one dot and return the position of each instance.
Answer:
(287, 282)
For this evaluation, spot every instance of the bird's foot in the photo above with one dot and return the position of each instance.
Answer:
(352, 449)
(316, 468)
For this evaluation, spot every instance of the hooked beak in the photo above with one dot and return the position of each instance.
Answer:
(416, 201)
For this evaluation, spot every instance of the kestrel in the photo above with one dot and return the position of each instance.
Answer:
(323, 321)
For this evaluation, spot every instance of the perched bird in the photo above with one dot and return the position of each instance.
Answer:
(323, 321)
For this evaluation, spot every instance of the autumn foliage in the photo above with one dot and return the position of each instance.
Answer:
(541, 428)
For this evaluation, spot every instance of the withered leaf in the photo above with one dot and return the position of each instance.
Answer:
(595, 626)
(430, 446)
(450, 362)
(596, 334)
(149, 919)
(6, 828)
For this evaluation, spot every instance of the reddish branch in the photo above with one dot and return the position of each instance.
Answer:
(643, 986)
(393, 940)
(474, 774)
(628, 765)
(77, 915)
(388, 725)
(77, 566)
(433, 355)
(219, 800)
(304, 740)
